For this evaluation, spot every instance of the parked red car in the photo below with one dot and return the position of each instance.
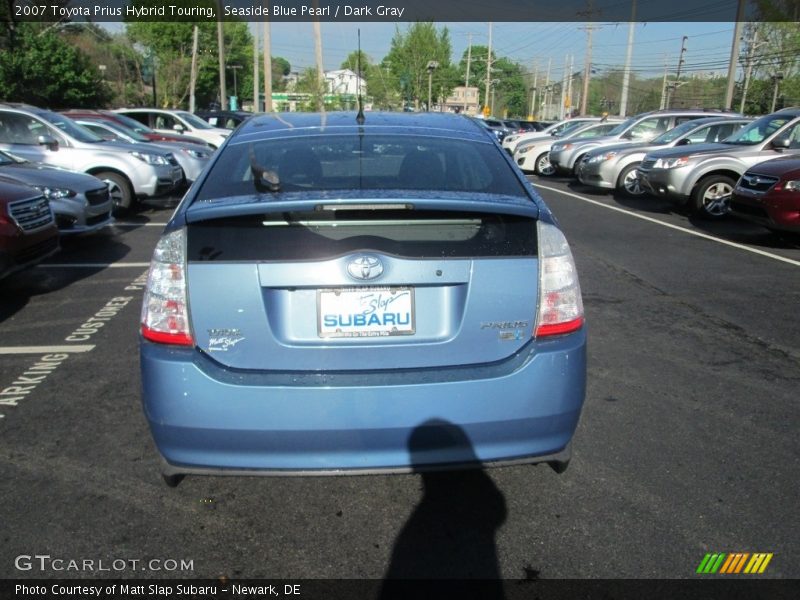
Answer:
(28, 231)
(769, 194)
(143, 130)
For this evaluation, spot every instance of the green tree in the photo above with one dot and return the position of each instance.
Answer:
(308, 83)
(280, 69)
(409, 56)
(170, 44)
(46, 71)
(508, 81)
(381, 88)
(115, 56)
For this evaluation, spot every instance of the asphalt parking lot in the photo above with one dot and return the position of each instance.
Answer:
(687, 444)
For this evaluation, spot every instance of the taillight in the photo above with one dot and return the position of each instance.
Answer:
(165, 313)
(560, 303)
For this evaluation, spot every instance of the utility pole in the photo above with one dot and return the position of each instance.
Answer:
(674, 86)
(626, 76)
(563, 88)
(664, 84)
(587, 70)
(256, 72)
(737, 32)
(569, 83)
(752, 44)
(488, 70)
(223, 92)
(466, 79)
(776, 81)
(532, 114)
(267, 63)
(320, 67)
(544, 95)
(193, 73)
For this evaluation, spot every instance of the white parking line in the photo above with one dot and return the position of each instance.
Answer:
(72, 348)
(116, 265)
(790, 261)
(150, 224)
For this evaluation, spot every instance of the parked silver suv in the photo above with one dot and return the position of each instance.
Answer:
(614, 167)
(130, 171)
(565, 156)
(703, 176)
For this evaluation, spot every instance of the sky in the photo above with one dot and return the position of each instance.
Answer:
(707, 49)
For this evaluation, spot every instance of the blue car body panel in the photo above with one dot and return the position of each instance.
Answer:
(205, 417)
(263, 391)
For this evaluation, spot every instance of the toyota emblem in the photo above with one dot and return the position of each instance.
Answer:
(365, 266)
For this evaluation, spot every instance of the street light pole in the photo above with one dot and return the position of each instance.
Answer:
(776, 80)
(234, 68)
(432, 66)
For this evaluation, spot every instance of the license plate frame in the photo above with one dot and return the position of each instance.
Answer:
(367, 301)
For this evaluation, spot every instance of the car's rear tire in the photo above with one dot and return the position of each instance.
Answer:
(559, 466)
(628, 182)
(172, 480)
(542, 165)
(711, 197)
(120, 190)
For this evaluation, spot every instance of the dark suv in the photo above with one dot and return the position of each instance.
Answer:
(28, 230)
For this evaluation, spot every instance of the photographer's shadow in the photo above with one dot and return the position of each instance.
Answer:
(451, 533)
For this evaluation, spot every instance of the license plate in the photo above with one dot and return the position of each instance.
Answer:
(365, 312)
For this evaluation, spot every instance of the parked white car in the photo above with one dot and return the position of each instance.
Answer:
(180, 121)
(534, 155)
(510, 142)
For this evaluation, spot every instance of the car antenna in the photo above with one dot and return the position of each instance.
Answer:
(360, 116)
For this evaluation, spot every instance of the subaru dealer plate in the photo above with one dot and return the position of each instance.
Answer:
(365, 312)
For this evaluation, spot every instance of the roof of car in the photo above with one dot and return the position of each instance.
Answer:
(431, 123)
(227, 113)
(23, 106)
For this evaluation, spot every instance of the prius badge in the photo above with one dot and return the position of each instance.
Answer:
(364, 266)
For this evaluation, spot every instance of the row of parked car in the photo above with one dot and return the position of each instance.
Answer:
(68, 173)
(711, 162)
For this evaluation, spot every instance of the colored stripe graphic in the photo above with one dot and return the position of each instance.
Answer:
(729, 563)
(734, 563)
(711, 563)
(758, 563)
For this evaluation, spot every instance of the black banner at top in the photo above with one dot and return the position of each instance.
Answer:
(406, 10)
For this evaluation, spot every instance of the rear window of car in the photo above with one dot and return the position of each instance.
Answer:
(366, 162)
(326, 234)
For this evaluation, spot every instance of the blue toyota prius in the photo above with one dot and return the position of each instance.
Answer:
(332, 284)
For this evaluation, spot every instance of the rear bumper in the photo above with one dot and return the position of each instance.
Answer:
(205, 419)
